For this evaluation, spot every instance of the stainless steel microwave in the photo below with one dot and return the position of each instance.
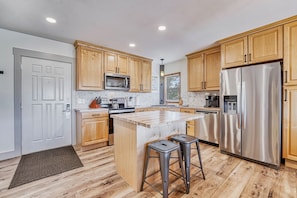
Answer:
(116, 82)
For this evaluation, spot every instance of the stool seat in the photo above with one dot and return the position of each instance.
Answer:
(163, 146)
(184, 138)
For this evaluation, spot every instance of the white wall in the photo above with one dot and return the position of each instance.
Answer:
(189, 98)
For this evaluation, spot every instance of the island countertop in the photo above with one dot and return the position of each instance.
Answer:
(150, 119)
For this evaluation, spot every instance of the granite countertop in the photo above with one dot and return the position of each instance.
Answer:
(85, 110)
(152, 119)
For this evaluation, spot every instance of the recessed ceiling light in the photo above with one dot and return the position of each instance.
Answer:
(132, 45)
(162, 28)
(51, 20)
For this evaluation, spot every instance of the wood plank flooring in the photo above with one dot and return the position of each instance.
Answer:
(226, 176)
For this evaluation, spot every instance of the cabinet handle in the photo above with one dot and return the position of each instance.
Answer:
(285, 97)
(95, 115)
(250, 57)
(204, 84)
(244, 58)
(286, 76)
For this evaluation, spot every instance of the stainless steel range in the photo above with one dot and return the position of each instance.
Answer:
(115, 106)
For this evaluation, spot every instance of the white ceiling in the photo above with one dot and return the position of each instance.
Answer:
(191, 24)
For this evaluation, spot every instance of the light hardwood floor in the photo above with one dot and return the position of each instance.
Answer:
(226, 176)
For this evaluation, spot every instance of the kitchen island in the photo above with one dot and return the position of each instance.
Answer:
(132, 133)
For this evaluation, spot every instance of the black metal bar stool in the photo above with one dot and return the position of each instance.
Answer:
(185, 144)
(164, 148)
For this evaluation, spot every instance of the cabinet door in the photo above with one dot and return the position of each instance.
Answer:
(134, 71)
(233, 53)
(290, 123)
(195, 72)
(146, 76)
(190, 124)
(212, 69)
(122, 64)
(89, 69)
(94, 131)
(190, 129)
(110, 62)
(290, 52)
(266, 45)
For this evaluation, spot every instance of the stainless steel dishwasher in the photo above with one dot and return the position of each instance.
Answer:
(208, 128)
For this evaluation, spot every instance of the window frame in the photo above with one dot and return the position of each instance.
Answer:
(165, 87)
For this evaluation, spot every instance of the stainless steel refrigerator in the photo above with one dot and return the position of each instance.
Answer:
(251, 112)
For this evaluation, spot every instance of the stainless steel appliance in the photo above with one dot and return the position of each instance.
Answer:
(212, 101)
(208, 127)
(116, 82)
(251, 112)
(115, 106)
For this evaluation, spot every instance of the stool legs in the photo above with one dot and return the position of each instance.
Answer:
(187, 157)
(145, 167)
(199, 157)
(164, 164)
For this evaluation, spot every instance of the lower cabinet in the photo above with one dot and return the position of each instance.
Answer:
(92, 129)
(190, 124)
(290, 126)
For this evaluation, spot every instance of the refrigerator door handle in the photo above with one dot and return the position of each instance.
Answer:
(243, 106)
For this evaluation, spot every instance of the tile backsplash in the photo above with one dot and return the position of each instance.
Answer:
(82, 99)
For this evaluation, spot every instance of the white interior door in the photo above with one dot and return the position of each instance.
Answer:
(46, 100)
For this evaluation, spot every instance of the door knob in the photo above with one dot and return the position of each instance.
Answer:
(67, 108)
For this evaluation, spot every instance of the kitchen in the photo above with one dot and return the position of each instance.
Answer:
(80, 98)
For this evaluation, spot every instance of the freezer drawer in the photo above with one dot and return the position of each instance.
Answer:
(208, 128)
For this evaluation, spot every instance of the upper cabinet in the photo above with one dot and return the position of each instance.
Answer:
(253, 48)
(140, 75)
(146, 76)
(115, 63)
(93, 61)
(89, 68)
(204, 70)
(290, 52)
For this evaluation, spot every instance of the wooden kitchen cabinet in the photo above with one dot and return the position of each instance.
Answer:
(92, 129)
(190, 124)
(262, 46)
(115, 63)
(195, 72)
(140, 75)
(290, 52)
(204, 70)
(89, 68)
(290, 126)
(146, 76)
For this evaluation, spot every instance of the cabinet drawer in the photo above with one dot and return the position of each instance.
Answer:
(94, 115)
(187, 110)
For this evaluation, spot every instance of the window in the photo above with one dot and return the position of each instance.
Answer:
(172, 87)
